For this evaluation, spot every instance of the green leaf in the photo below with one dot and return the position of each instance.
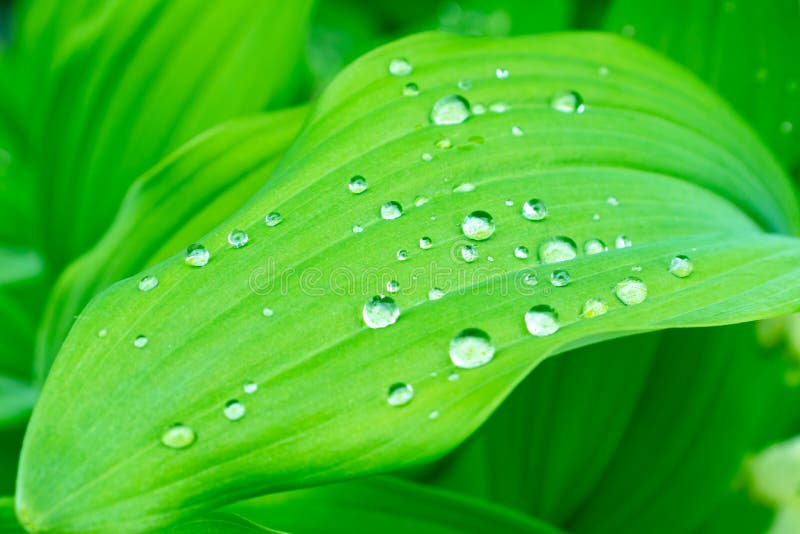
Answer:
(689, 177)
(8, 521)
(16, 401)
(186, 195)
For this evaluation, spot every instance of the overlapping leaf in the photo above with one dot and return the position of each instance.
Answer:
(689, 179)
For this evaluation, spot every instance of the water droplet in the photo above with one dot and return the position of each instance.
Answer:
(517, 131)
(594, 308)
(786, 127)
(400, 394)
(178, 436)
(501, 73)
(521, 252)
(197, 255)
(433, 415)
(357, 184)
(427, 157)
(237, 238)
(596, 217)
(400, 66)
(234, 410)
(612, 201)
(435, 293)
(147, 283)
(411, 89)
(471, 348)
(681, 266)
(489, 258)
(478, 109)
(450, 109)
(622, 241)
(391, 210)
(509, 202)
(631, 291)
(499, 107)
(478, 225)
(636, 268)
(567, 102)
(465, 85)
(357, 228)
(102, 333)
(534, 210)
(273, 219)
(250, 387)
(557, 249)
(444, 144)
(602, 70)
(402, 255)
(594, 246)
(421, 201)
(453, 377)
(469, 253)
(464, 188)
(541, 320)
(392, 286)
(380, 312)
(560, 278)
(530, 279)
(425, 243)
(140, 342)
(267, 312)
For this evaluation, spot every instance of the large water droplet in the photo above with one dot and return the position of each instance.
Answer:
(411, 89)
(560, 278)
(234, 410)
(250, 387)
(237, 238)
(534, 210)
(594, 308)
(148, 283)
(471, 348)
(273, 219)
(450, 109)
(521, 252)
(567, 102)
(178, 436)
(380, 312)
(140, 342)
(197, 255)
(400, 66)
(631, 291)
(594, 246)
(478, 225)
(435, 293)
(400, 394)
(681, 266)
(391, 210)
(541, 320)
(557, 249)
(469, 253)
(425, 243)
(357, 184)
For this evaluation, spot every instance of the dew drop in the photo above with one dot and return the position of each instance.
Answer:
(450, 109)
(391, 210)
(400, 394)
(433, 415)
(197, 255)
(534, 210)
(681, 266)
(357, 184)
(557, 249)
(443, 144)
(509, 202)
(501, 73)
(402, 255)
(530, 279)
(464, 188)
(411, 89)
(425, 243)
(267, 312)
(594, 308)
(102, 333)
(499, 107)
(392, 286)
(517, 131)
(594, 246)
(178, 436)
(622, 241)
(636, 268)
(560, 278)
(237, 238)
(453, 377)
(273, 219)
(541, 320)
(471, 348)
(250, 387)
(465, 85)
(521, 252)
(426, 157)
(400, 66)
(435, 293)
(478, 225)
(631, 291)
(469, 253)
(357, 228)
(140, 342)
(148, 283)
(490, 258)
(612, 201)
(567, 102)
(234, 410)
(421, 201)
(596, 217)
(380, 311)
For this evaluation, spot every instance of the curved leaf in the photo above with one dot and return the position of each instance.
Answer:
(689, 179)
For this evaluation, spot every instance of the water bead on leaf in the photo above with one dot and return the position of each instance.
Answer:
(464, 188)
(478, 225)
(521, 252)
(681, 266)
(273, 219)
(237, 238)
(435, 293)
(567, 102)
(391, 210)
(425, 243)
(250, 387)
(234, 410)
(530, 279)
(557, 249)
(380, 311)
(267, 312)
(399, 394)
(197, 255)
(178, 436)
(516, 131)
(357, 184)
(148, 283)
(450, 109)
(392, 286)
(400, 67)
(402, 255)
(631, 291)
(471, 348)
(469, 253)
(541, 320)
(622, 241)
(140, 342)
(594, 246)
(411, 89)
(560, 278)
(594, 308)
(534, 210)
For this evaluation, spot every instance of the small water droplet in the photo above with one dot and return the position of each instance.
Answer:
(478, 225)
(612, 201)
(421, 201)
(501, 73)
(391, 210)
(402, 255)
(521, 252)
(471, 348)
(517, 131)
(595, 216)
(478, 109)
(557, 249)
(148, 283)
(594, 308)
(469, 253)
(786, 127)
(140, 342)
(357, 228)
(541, 320)
(444, 143)
(425, 243)
(490, 258)
(237, 238)
(411, 89)
(594, 246)
(426, 157)
(509, 202)
(622, 241)
(534, 210)
(250, 387)
(102, 333)
(560, 278)
(631, 291)
(453, 377)
(499, 107)
(602, 70)
(380, 311)
(433, 415)
(450, 109)
(465, 85)
(273, 219)
(234, 410)
(178, 436)
(400, 394)
(530, 279)
(392, 286)
(400, 66)
(567, 102)
(357, 184)
(197, 255)
(435, 293)
(636, 268)
(681, 266)
(267, 312)
(464, 188)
